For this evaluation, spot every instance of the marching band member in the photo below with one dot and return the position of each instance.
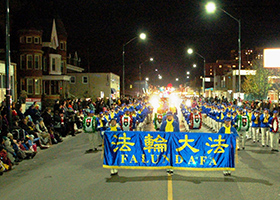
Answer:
(227, 128)
(90, 127)
(243, 125)
(134, 118)
(113, 127)
(255, 125)
(169, 125)
(274, 131)
(106, 119)
(195, 119)
(126, 121)
(249, 132)
(140, 119)
(158, 119)
(264, 127)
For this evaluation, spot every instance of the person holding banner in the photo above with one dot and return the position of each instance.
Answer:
(113, 127)
(227, 128)
(274, 131)
(169, 125)
(90, 127)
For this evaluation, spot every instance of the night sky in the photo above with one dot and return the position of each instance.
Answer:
(97, 29)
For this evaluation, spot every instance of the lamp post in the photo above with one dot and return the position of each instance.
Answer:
(140, 65)
(190, 51)
(7, 63)
(142, 37)
(211, 8)
(140, 74)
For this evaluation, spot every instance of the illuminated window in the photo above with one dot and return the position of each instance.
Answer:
(233, 66)
(37, 86)
(210, 73)
(210, 70)
(220, 66)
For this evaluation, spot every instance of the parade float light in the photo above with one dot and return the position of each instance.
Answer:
(188, 103)
(154, 102)
(174, 100)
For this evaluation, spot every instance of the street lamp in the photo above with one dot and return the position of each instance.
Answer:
(194, 65)
(140, 75)
(147, 78)
(190, 51)
(188, 72)
(177, 79)
(211, 8)
(140, 65)
(142, 36)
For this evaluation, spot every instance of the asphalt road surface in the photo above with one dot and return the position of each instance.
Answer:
(65, 172)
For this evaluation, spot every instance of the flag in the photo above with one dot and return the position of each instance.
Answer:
(54, 38)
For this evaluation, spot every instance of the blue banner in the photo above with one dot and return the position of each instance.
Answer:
(163, 150)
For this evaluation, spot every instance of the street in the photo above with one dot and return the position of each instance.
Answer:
(65, 172)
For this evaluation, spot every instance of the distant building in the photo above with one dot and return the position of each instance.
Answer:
(13, 77)
(93, 85)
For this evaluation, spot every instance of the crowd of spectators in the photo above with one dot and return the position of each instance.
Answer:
(34, 129)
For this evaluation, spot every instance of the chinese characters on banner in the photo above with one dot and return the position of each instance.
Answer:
(161, 150)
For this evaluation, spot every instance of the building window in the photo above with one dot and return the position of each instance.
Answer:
(36, 61)
(62, 66)
(23, 84)
(53, 64)
(28, 39)
(73, 80)
(36, 40)
(210, 74)
(22, 62)
(29, 86)
(54, 87)
(37, 86)
(61, 45)
(21, 40)
(29, 61)
(85, 80)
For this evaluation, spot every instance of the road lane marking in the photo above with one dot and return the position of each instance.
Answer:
(169, 188)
